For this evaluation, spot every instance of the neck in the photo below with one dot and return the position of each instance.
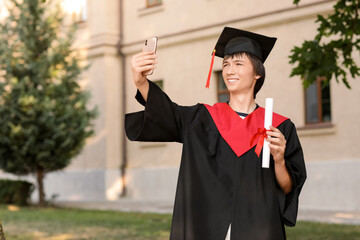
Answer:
(244, 104)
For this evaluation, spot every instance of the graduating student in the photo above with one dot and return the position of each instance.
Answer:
(222, 190)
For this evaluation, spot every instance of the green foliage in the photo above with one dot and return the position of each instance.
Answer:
(330, 53)
(15, 192)
(44, 119)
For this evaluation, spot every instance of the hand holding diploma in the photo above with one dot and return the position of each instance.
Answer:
(277, 144)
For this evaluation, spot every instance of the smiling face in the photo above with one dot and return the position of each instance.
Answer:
(239, 75)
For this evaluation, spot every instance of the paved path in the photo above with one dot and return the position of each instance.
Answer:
(128, 205)
(125, 205)
(344, 217)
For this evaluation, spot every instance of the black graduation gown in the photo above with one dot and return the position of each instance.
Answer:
(216, 187)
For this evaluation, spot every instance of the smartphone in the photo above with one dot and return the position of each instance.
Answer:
(150, 45)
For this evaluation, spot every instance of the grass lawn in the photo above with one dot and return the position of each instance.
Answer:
(70, 224)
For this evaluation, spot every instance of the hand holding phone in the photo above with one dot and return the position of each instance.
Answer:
(150, 45)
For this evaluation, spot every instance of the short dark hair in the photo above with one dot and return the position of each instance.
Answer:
(258, 67)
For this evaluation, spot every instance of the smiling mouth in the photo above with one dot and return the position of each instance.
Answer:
(232, 80)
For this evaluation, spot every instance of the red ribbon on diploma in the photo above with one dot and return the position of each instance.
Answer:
(262, 134)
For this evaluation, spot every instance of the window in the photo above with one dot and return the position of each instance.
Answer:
(81, 15)
(222, 91)
(3, 11)
(77, 9)
(152, 3)
(317, 103)
(160, 84)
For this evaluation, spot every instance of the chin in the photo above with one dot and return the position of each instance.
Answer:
(236, 91)
(232, 87)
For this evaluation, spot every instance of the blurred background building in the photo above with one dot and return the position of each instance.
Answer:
(110, 32)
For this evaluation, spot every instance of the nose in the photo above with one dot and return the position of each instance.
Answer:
(229, 70)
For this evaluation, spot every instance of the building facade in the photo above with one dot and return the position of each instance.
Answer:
(112, 31)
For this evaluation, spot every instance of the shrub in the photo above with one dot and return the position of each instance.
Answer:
(15, 191)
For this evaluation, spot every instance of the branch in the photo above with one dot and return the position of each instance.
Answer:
(329, 55)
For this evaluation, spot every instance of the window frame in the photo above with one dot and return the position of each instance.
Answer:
(79, 14)
(2, 9)
(159, 83)
(83, 14)
(218, 90)
(319, 99)
(157, 3)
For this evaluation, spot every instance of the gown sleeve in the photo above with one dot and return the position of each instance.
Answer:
(159, 122)
(294, 160)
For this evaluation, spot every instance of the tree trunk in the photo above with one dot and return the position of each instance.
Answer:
(2, 236)
(40, 181)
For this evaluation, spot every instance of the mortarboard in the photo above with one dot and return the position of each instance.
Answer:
(234, 40)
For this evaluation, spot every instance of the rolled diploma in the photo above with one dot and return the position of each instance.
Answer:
(269, 103)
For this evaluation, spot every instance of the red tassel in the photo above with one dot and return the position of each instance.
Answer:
(211, 67)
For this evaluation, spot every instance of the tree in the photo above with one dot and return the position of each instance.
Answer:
(330, 53)
(44, 119)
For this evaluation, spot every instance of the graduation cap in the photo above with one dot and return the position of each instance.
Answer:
(234, 40)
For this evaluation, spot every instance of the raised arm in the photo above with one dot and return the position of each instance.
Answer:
(140, 64)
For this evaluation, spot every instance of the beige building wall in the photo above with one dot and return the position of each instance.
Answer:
(96, 172)
(187, 33)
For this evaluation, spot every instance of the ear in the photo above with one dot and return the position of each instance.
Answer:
(257, 77)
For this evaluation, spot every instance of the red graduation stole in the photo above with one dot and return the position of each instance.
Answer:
(238, 132)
